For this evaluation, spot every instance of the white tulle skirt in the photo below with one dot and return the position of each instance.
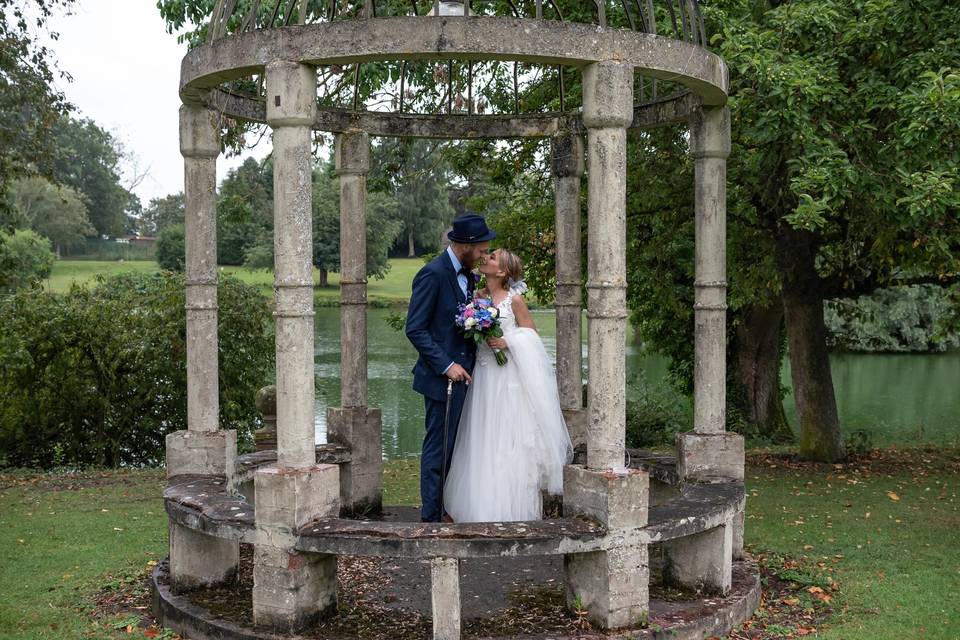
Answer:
(512, 441)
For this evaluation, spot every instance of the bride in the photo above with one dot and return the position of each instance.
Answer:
(512, 441)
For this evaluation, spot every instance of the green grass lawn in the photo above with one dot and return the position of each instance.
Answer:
(883, 528)
(393, 289)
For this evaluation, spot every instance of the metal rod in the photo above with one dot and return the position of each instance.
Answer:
(273, 16)
(470, 87)
(449, 86)
(601, 12)
(626, 9)
(652, 18)
(403, 76)
(356, 87)
(414, 3)
(673, 19)
(516, 91)
(251, 18)
(539, 12)
(683, 19)
(562, 91)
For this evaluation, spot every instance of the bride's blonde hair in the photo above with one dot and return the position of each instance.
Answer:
(511, 265)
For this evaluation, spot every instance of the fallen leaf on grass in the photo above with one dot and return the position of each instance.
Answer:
(893, 496)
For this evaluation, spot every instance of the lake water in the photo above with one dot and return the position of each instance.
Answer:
(896, 398)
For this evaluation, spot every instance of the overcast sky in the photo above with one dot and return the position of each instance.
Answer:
(125, 69)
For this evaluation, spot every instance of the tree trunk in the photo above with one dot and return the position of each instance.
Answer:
(411, 249)
(324, 281)
(757, 358)
(820, 437)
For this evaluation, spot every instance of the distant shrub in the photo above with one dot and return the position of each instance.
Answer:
(98, 376)
(25, 259)
(655, 413)
(897, 319)
(171, 248)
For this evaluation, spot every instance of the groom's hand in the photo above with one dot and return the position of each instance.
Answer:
(458, 374)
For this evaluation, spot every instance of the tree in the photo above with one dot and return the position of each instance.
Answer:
(847, 130)
(161, 213)
(245, 211)
(57, 213)
(88, 160)
(416, 173)
(171, 248)
(383, 227)
(30, 104)
(25, 259)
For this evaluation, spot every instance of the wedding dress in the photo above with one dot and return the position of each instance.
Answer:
(512, 442)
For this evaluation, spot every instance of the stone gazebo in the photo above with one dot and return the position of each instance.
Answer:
(629, 519)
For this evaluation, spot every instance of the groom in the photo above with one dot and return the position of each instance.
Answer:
(439, 287)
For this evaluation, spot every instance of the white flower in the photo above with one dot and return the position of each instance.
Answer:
(470, 323)
(494, 312)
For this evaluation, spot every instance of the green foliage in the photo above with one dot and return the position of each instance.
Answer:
(245, 213)
(896, 319)
(171, 248)
(30, 103)
(417, 175)
(655, 413)
(161, 213)
(382, 225)
(88, 160)
(25, 259)
(57, 213)
(98, 376)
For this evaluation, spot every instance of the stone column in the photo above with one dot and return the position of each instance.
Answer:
(612, 585)
(567, 167)
(353, 424)
(202, 449)
(607, 111)
(709, 452)
(290, 588)
(291, 107)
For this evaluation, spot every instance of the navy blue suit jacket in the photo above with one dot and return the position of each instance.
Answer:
(430, 327)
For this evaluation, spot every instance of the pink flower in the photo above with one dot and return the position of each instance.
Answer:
(468, 312)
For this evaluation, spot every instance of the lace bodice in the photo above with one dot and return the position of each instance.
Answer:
(508, 321)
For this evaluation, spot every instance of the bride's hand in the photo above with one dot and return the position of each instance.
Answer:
(497, 343)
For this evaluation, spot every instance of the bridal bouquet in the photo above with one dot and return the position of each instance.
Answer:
(480, 319)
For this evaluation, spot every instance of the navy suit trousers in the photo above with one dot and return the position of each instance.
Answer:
(431, 459)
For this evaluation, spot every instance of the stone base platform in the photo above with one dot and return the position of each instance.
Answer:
(389, 598)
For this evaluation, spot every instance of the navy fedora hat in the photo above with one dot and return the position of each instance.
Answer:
(470, 229)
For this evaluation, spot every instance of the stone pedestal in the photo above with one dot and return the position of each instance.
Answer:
(361, 479)
(199, 560)
(613, 586)
(445, 598)
(292, 589)
(211, 453)
(265, 438)
(710, 457)
(701, 562)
